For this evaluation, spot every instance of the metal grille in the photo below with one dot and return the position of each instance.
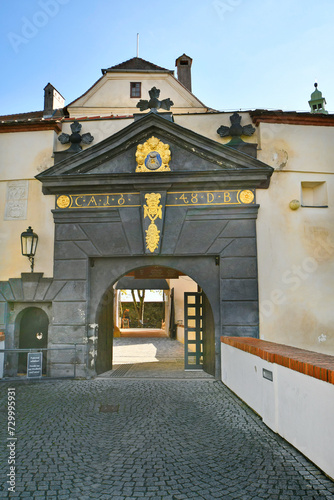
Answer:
(109, 408)
(193, 331)
(121, 370)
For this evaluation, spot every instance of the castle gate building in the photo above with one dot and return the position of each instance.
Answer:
(118, 186)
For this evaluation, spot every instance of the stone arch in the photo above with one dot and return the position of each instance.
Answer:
(25, 321)
(33, 324)
(105, 306)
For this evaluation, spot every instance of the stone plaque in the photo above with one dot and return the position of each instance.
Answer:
(17, 200)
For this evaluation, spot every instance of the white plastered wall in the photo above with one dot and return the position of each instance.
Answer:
(99, 129)
(208, 124)
(111, 94)
(24, 155)
(296, 247)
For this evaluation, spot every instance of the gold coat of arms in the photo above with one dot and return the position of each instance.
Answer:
(153, 156)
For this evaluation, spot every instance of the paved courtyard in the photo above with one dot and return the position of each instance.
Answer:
(122, 439)
(150, 358)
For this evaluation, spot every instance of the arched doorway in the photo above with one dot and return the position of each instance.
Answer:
(33, 334)
(199, 342)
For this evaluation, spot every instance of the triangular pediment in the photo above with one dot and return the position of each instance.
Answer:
(194, 158)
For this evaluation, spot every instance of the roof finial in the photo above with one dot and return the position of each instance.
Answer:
(137, 44)
(154, 104)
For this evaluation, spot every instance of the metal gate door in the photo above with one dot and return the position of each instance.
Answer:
(193, 331)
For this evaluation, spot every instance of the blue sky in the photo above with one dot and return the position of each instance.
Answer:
(246, 53)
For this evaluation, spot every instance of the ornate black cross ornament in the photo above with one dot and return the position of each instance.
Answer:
(75, 138)
(154, 104)
(236, 130)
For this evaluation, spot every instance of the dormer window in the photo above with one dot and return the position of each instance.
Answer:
(135, 89)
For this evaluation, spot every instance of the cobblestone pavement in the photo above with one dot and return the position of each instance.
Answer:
(139, 350)
(150, 358)
(161, 439)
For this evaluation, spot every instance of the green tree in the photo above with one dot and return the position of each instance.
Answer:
(139, 306)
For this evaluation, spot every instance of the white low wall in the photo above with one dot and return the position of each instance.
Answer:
(298, 407)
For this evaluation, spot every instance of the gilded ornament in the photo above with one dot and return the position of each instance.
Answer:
(152, 237)
(63, 201)
(246, 196)
(153, 210)
(153, 156)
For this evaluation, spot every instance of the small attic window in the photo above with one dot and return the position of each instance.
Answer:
(314, 194)
(135, 89)
(183, 63)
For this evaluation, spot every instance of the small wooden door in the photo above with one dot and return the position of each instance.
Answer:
(33, 335)
(193, 331)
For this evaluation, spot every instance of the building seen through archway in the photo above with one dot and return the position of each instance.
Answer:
(185, 318)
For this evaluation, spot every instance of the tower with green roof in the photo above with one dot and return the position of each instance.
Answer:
(317, 102)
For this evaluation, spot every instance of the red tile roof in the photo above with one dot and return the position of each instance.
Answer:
(31, 115)
(22, 116)
(291, 117)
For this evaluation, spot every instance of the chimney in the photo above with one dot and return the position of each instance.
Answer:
(52, 100)
(183, 64)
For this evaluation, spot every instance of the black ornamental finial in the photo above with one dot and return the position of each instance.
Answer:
(154, 104)
(236, 130)
(75, 138)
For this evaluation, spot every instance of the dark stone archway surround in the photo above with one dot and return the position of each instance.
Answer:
(215, 245)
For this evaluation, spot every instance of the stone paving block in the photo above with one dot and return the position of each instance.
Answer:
(171, 439)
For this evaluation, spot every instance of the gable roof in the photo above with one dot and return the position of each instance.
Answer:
(135, 64)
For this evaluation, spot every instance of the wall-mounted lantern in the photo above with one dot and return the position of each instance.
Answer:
(29, 242)
(294, 204)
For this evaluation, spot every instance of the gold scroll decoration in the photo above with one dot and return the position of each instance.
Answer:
(153, 156)
(153, 210)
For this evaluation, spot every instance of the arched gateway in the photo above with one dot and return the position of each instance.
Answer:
(199, 319)
(155, 194)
